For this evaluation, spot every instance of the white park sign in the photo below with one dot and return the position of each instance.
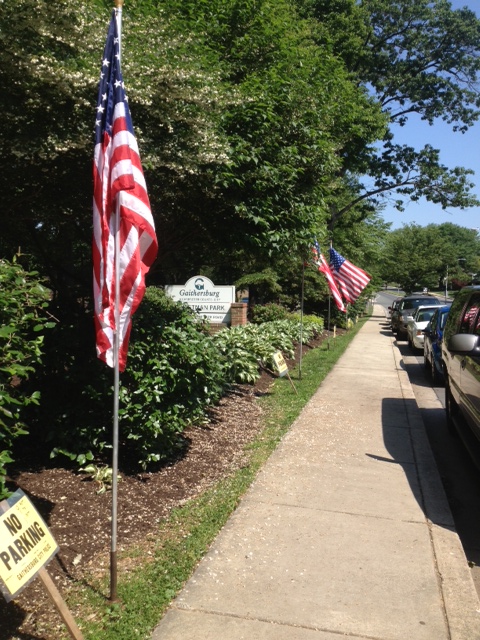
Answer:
(210, 301)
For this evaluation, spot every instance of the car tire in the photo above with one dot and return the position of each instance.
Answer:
(451, 408)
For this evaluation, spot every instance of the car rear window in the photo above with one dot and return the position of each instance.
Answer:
(423, 316)
(413, 303)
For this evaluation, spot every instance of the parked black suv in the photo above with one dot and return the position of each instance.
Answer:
(461, 359)
(403, 309)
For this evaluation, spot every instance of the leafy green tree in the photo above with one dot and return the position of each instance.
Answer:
(292, 107)
(45, 93)
(463, 244)
(462, 256)
(47, 145)
(413, 257)
(417, 57)
(254, 120)
(417, 257)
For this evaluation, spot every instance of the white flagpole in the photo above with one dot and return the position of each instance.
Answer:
(116, 386)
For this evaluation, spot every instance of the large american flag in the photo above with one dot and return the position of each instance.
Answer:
(322, 265)
(119, 190)
(351, 280)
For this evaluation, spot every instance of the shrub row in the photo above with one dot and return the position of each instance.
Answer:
(176, 370)
(23, 318)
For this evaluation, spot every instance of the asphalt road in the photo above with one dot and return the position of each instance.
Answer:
(457, 455)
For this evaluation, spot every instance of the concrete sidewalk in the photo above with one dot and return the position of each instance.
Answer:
(346, 531)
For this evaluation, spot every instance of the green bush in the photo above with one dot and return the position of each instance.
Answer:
(241, 350)
(267, 313)
(314, 324)
(247, 348)
(173, 375)
(23, 319)
(175, 371)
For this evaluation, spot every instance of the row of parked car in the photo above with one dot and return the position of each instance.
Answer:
(449, 335)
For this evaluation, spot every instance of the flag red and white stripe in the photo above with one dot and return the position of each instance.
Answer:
(351, 280)
(323, 266)
(120, 205)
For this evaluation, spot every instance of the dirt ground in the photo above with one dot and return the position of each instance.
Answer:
(79, 518)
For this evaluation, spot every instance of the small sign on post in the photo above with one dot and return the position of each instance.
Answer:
(280, 364)
(282, 368)
(26, 546)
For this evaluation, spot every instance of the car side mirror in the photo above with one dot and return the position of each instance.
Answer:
(464, 343)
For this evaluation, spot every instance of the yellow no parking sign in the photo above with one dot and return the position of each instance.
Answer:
(26, 544)
(282, 368)
(280, 363)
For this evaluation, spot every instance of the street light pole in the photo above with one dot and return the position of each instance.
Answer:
(446, 285)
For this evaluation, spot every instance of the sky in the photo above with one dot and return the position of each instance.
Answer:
(456, 149)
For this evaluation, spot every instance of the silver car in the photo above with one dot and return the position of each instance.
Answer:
(416, 326)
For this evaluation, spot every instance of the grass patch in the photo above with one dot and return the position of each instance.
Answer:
(164, 563)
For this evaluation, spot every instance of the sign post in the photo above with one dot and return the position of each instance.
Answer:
(26, 546)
